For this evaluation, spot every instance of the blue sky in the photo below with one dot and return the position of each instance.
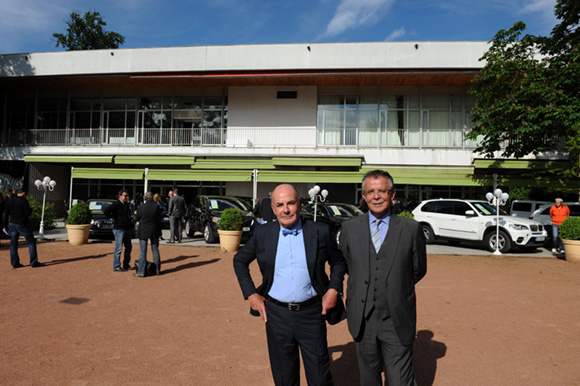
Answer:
(28, 25)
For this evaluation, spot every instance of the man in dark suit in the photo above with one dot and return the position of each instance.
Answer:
(296, 296)
(386, 257)
(266, 212)
(149, 218)
(176, 211)
(16, 223)
(120, 212)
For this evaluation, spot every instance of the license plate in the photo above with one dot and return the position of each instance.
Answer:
(540, 238)
(246, 229)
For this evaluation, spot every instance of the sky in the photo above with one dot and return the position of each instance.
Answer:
(28, 25)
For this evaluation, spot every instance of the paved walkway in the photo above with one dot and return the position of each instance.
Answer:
(439, 248)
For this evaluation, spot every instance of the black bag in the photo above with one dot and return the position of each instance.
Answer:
(150, 268)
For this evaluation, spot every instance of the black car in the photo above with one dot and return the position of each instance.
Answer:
(331, 213)
(101, 225)
(204, 212)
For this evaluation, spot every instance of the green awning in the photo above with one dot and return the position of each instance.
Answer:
(521, 164)
(233, 163)
(199, 175)
(149, 160)
(293, 176)
(69, 158)
(446, 176)
(316, 161)
(108, 173)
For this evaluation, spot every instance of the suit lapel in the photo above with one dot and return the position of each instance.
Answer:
(391, 243)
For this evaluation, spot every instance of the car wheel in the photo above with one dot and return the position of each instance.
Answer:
(188, 229)
(505, 244)
(428, 233)
(208, 234)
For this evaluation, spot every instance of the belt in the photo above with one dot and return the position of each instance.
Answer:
(295, 306)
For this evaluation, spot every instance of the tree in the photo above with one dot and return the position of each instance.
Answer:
(528, 94)
(87, 33)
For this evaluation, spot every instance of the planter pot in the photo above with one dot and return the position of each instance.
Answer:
(572, 250)
(78, 234)
(230, 240)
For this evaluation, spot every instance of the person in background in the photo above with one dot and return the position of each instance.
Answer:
(157, 200)
(177, 210)
(120, 213)
(2, 206)
(558, 212)
(149, 218)
(266, 212)
(15, 220)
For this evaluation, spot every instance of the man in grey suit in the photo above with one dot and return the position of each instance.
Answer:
(386, 257)
(176, 211)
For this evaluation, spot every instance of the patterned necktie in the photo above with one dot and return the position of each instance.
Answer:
(287, 232)
(376, 235)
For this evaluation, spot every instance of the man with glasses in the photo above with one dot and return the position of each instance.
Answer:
(386, 257)
(120, 213)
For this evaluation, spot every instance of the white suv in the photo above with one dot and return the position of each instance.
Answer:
(455, 220)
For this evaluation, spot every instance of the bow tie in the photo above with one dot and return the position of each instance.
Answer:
(287, 232)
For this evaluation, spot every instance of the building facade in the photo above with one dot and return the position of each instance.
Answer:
(240, 119)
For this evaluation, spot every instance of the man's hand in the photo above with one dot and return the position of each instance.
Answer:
(329, 300)
(257, 302)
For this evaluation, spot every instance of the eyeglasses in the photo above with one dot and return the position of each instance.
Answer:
(380, 192)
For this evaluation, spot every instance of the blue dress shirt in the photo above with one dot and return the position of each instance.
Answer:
(383, 225)
(291, 277)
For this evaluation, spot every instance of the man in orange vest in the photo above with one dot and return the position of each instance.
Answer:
(558, 212)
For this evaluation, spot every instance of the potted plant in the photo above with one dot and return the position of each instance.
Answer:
(230, 229)
(78, 223)
(570, 235)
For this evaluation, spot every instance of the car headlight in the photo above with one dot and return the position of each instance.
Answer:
(518, 227)
(93, 222)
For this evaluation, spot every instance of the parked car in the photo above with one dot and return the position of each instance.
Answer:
(523, 208)
(101, 225)
(164, 214)
(204, 212)
(472, 220)
(542, 215)
(332, 214)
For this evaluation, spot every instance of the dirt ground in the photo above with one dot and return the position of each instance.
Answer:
(481, 321)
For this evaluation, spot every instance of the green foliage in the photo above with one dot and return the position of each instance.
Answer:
(520, 194)
(86, 33)
(231, 219)
(36, 216)
(406, 214)
(570, 229)
(79, 214)
(528, 94)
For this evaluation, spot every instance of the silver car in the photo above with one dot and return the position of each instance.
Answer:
(542, 214)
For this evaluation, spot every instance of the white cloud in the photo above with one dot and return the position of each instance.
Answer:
(395, 34)
(355, 13)
(538, 6)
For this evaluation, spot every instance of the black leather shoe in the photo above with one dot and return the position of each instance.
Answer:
(38, 265)
(17, 266)
(119, 270)
(129, 268)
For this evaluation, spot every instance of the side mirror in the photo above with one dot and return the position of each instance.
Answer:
(470, 213)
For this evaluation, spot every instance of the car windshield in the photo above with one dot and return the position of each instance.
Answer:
(98, 206)
(219, 204)
(487, 210)
(343, 211)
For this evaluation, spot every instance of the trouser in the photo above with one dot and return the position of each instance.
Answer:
(381, 342)
(289, 332)
(175, 228)
(143, 255)
(122, 239)
(556, 241)
(15, 232)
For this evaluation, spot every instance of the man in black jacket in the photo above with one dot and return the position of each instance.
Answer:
(120, 213)
(15, 219)
(177, 209)
(149, 218)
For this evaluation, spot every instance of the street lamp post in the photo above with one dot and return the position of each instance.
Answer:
(497, 198)
(314, 196)
(46, 184)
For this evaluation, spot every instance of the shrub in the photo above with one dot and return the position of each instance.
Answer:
(231, 220)
(570, 229)
(79, 214)
(406, 214)
(36, 215)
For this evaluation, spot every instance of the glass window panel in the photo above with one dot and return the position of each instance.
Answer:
(116, 120)
(368, 119)
(150, 103)
(80, 104)
(350, 121)
(81, 120)
(187, 103)
(212, 118)
(131, 103)
(413, 101)
(330, 119)
(368, 102)
(330, 101)
(350, 101)
(213, 102)
(114, 104)
(438, 120)
(436, 101)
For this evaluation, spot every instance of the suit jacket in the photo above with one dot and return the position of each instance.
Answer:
(404, 247)
(121, 214)
(320, 248)
(149, 217)
(177, 207)
(266, 211)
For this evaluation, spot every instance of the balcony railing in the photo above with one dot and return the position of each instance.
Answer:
(255, 137)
